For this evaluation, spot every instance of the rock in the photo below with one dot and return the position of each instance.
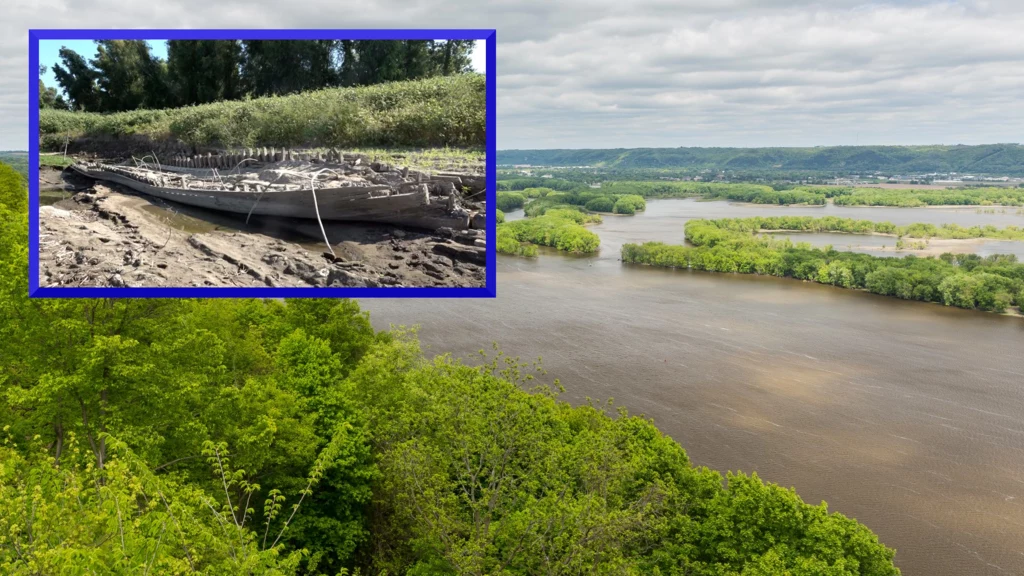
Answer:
(460, 252)
(116, 280)
(339, 277)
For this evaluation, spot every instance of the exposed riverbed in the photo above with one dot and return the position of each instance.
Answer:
(97, 234)
(905, 415)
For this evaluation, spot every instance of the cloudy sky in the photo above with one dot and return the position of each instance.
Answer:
(609, 74)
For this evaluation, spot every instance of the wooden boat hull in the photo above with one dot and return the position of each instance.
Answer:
(356, 203)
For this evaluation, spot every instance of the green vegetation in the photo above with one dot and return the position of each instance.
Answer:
(436, 112)
(797, 194)
(55, 160)
(519, 183)
(964, 280)
(499, 216)
(559, 228)
(1006, 159)
(278, 438)
(437, 159)
(602, 204)
(951, 197)
(510, 200)
(124, 75)
(16, 160)
(536, 192)
(629, 204)
(594, 200)
(757, 224)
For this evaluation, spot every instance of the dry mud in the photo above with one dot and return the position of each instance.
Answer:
(109, 236)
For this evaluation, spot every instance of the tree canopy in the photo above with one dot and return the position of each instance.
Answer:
(280, 438)
(125, 75)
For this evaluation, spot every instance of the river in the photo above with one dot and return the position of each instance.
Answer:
(906, 416)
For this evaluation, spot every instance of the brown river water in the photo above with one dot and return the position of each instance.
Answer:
(906, 416)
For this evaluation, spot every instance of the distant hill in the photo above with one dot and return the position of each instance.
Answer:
(996, 159)
(16, 159)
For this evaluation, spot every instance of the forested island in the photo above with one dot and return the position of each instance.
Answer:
(266, 437)
(994, 283)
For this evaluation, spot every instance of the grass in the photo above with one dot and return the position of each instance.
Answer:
(55, 160)
(433, 113)
(470, 160)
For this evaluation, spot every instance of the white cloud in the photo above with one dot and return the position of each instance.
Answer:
(606, 73)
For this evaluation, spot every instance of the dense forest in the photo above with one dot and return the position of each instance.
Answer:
(266, 437)
(124, 74)
(1000, 159)
(969, 281)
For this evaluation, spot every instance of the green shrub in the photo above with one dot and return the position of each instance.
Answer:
(623, 208)
(499, 216)
(629, 204)
(536, 192)
(510, 200)
(555, 230)
(602, 204)
(441, 111)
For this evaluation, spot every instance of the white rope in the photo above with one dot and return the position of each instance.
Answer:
(312, 188)
(257, 202)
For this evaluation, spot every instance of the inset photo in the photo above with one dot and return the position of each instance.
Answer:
(262, 163)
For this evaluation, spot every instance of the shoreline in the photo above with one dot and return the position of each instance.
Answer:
(1010, 312)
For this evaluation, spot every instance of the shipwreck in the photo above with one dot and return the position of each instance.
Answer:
(322, 186)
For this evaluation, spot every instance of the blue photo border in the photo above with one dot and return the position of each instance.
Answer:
(35, 291)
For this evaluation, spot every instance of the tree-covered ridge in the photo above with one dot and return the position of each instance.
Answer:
(125, 75)
(16, 160)
(1003, 159)
(444, 111)
(782, 194)
(266, 437)
(994, 283)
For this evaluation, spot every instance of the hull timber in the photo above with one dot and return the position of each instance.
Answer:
(411, 205)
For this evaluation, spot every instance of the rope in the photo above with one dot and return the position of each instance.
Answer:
(258, 201)
(312, 188)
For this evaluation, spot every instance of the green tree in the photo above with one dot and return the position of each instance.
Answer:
(48, 96)
(128, 77)
(78, 80)
(201, 71)
(287, 66)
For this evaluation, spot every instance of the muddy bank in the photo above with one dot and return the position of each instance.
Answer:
(106, 235)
